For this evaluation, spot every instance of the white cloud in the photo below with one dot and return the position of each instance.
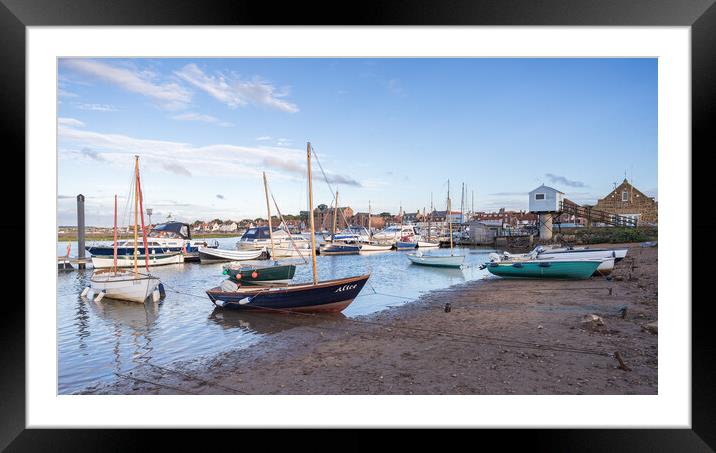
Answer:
(96, 107)
(191, 116)
(70, 122)
(177, 157)
(169, 95)
(264, 138)
(235, 92)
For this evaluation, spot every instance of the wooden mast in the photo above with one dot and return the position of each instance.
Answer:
(430, 219)
(136, 207)
(335, 219)
(115, 233)
(310, 213)
(447, 216)
(370, 231)
(268, 210)
(141, 215)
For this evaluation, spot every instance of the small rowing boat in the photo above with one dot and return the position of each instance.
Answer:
(249, 273)
(454, 261)
(211, 255)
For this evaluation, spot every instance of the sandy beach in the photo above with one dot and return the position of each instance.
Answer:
(498, 337)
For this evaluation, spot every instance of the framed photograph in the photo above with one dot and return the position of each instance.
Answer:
(429, 217)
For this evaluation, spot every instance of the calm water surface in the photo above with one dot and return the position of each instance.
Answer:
(95, 340)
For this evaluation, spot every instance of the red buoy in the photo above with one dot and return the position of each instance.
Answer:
(238, 276)
(254, 274)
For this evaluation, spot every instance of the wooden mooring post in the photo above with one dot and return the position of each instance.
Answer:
(81, 230)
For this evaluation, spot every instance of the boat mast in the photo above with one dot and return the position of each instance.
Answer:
(115, 234)
(268, 209)
(310, 212)
(141, 213)
(370, 230)
(430, 219)
(448, 217)
(136, 207)
(335, 218)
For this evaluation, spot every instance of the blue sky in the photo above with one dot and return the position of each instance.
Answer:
(386, 130)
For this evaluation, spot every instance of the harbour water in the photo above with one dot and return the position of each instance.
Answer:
(97, 340)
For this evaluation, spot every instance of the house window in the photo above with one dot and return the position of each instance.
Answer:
(625, 196)
(539, 196)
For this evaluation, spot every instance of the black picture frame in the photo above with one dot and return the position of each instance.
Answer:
(700, 15)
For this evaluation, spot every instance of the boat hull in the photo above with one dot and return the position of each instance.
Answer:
(400, 245)
(545, 269)
(211, 255)
(254, 274)
(339, 249)
(124, 285)
(100, 262)
(454, 261)
(327, 296)
(426, 244)
(375, 248)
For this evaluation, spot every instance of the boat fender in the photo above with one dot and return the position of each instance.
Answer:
(517, 265)
(86, 291)
(245, 300)
(544, 264)
(155, 296)
(254, 274)
(162, 292)
(99, 296)
(226, 272)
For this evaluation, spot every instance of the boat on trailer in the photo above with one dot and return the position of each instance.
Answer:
(317, 296)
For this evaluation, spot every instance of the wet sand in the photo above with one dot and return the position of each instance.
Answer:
(499, 337)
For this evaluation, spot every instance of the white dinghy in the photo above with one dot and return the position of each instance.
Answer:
(160, 259)
(211, 255)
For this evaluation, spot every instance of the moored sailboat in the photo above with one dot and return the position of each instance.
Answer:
(330, 295)
(123, 284)
(431, 259)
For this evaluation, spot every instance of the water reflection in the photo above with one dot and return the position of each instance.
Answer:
(268, 323)
(131, 326)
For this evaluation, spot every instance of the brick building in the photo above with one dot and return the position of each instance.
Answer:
(628, 201)
(361, 218)
(324, 219)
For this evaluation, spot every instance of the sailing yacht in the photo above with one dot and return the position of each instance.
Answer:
(130, 285)
(451, 260)
(316, 296)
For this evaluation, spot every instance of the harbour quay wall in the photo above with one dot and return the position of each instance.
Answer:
(579, 236)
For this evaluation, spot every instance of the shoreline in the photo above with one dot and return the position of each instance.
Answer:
(499, 337)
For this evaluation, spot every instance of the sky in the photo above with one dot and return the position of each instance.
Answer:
(391, 132)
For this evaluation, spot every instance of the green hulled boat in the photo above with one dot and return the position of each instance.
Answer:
(245, 273)
(544, 269)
